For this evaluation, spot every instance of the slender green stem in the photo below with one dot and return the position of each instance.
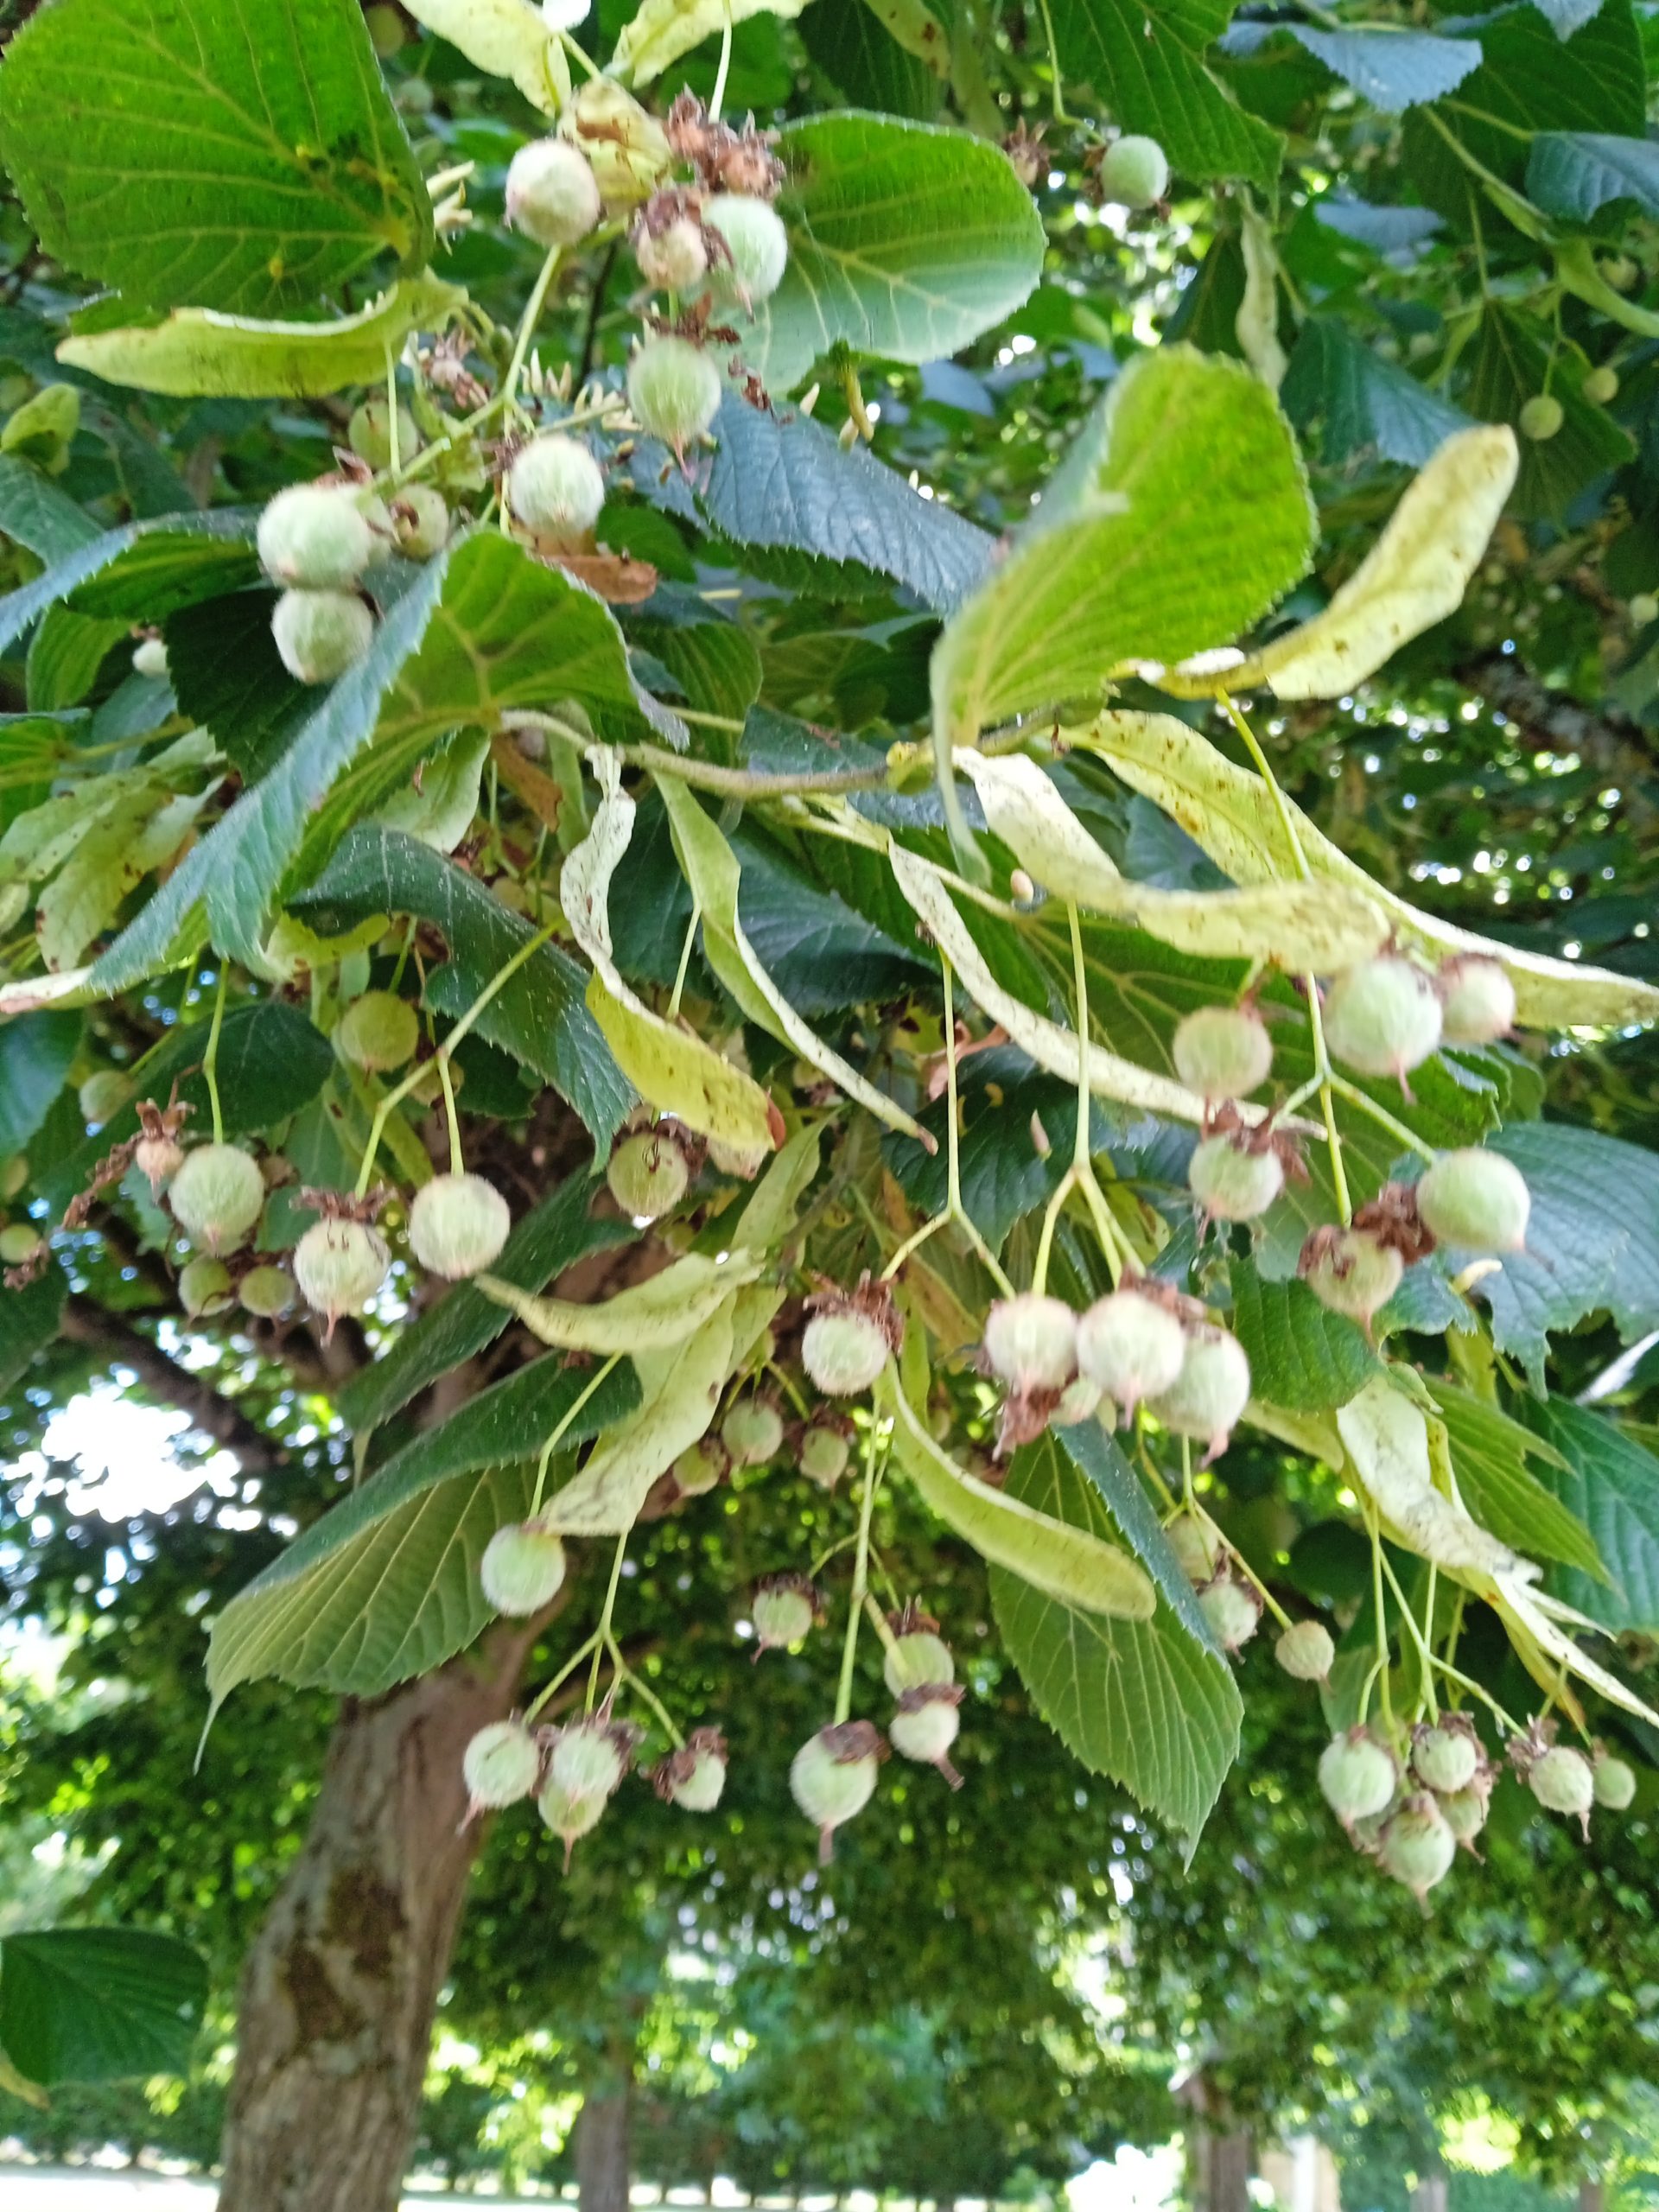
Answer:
(717, 99)
(449, 1114)
(860, 1581)
(1056, 75)
(210, 1058)
(1381, 1115)
(1375, 1532)
(643, 1691)
(745, 783)
(1409, 1619)
(1189, 1502)
(1281, 804)
(393, 454)
(563, 1675)
(685, 956)
(604, 1632)
(1327, 1104)
(1063, 1191)
(562, 1429)
(528, 321)
(1083, 1165)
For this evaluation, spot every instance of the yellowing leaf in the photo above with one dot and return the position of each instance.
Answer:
(665, 30)
(507, 38)
(681, 1388)
(1387, 1439)
(1256, 324)
(1530, 1614)
(676, 1071)
(1322, 927)
(1072, 1565)
(197, 353)
(1231, 814)
(649, 1317)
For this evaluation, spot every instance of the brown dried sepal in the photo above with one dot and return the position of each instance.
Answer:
(1392, 1217)
(849, 1741)
(801, 1586)
(1026, 1415)
(29, 1270)
(1027, 153)
(871, 1300)
(726, 160)
(910, 1620)
(680, 1766)
(346, 1205)
(1255, 1138)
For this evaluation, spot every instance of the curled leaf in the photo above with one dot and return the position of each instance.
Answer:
(681, 1387)
(505, 38)
(665, 30)
(649, 1317)
(1388, 1442)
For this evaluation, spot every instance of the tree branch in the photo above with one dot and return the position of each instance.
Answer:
(86, 1322)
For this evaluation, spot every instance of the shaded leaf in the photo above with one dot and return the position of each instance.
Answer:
(1392, 69)
(1359, 405)
(1574, 173)
(1610, 1485)
(36, 1052)
(1490, 1453)
(1147, 64)
(1302, 1357)
(98, 2004)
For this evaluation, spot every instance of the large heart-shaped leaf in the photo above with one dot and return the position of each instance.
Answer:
(98, 2004)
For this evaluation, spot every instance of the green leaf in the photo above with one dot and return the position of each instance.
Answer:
(1574, 173)
(1394, 69)
(98, 2004)
(680, 1392)
(1302, 1357)
(141, 572)
(905, 240)
(650, 1316)
(1489, 1455)
(1610, 1484)
(35, 512)
(1138, 1701)
(1356, 406)
(1099, 1457)
(1512, 358)
(1146, 63)
(227, 675)
(28, 1321)
(198, 354)
(539, 1015)
(779, 480)
(865, 62)
(64, 656)
(36, 1052)
(715, 664)
(663, 30)
(550, 1238)
(210, 153)
(1184, 453)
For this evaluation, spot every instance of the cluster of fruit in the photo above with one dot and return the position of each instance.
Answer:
(318, 541)
(574, 1772)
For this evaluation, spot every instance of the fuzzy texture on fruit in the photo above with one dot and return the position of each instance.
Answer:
(369, 434)
(1079, 1401)
(1417, 1846)
(1350, 1271)
(1031, 1342)
(457, 1225)
(675, 258)
(552, 192)
(1305, 1651)
(103, 1095)
(1134, 171)
(204, 1287)
(500, 1765)
(419, 521)
(320, 634)
(752, 1432)
(1129, 1345)
(832, 1777)
(628, 147)
(522, 1569)
(1232, 1609)
(1464, 1812)
(784, 1609)
(378, 1032)
(1383, 1017)
(18, 1242)
(1223, 1052)
(1194, 1545)
(1564, 1781)
(338, 1266)
(1540, 417)
(1476, 1001)
(1477, 1200)
(589, 1758)
(556, 488)
(315, 537)
(824, 1453)
(758, 243)
(570, 1818)
(923, 1727)
(1233, 1184)
(703, 1467)
(266, 1292)
(1600, 387)
(919, 1659)
(1357, 1775)
(1447, 1758)
(159, 1159)
(694, 1776)
(1644, 610)
(843, 1350)
(647, 1174)
(1613, 1781)
(737, 1159)
(1211, 1391)
(218, 1194)
(673, 390)
(149, 658)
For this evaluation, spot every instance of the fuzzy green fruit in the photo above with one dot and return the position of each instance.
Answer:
(522, 1569)
(338, 1266)
(1417, 1846)
(647, 1174)
(1644, 610)
(1031, 1342)
(18, 1242)
(694, 1777)
(205, 1288)
(457, 1225)
(1540, 417)
(266, 1292)
(1564, 1781)
(501, 1765)
(758, 243)
(1476, 1201)
(752, 1432)
(832, 1777)
(1079, 1401)
(627, 147)
(1600, 387)
(1305, 1651)
(1223, 1052)
(570, 1818)
(1476, 1001)
(1134, 171)
(1444, 1758)
(1383, 1017)
(1233, 1610)
(673, 390)
(420, 522)
(784, 1612)
(1613, 1782)
(917, 1660)
(149, 658)
(556, 488)
(378, 1032)
(320, 634)
(1131, 1346)
(843, 1350)
(588, 1760)
(824, 1453)
(1464, 1812)
(702, 1468)
(675, 258)
(1193, 1544)
(385, 28)
(103, 1095)
(369, 434)
(1350, 1272)
(1230, 1182)
(216, 1196)
(315, 537)
(1212, 1390)
(1357, 1775)
(552, 192)
(925, 1727)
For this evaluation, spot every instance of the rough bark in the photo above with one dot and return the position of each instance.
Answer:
(338, 1994)
(602, 2144)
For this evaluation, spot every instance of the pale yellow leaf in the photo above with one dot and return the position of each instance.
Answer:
(1387, 1439)
(505, 38)
(1256, 324)
(648, 1316)
(665, 30)
(680, 1388)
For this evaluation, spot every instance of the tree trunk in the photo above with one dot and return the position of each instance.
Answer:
(335, 2021)
(1592, 2195)
(603, 2159)
(1429, 2196)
